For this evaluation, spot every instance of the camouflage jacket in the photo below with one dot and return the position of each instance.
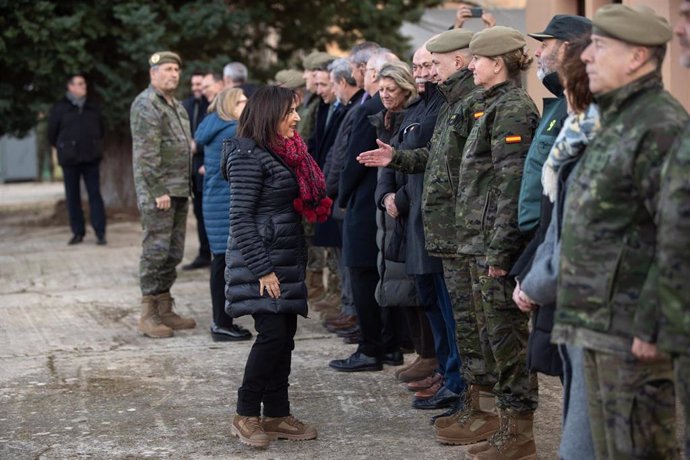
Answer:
(307, 114)
(490, 175)
(440, 163)
(673, 248)
(607, 283)
(161, 151)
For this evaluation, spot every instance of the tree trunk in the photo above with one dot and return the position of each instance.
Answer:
(117, 181)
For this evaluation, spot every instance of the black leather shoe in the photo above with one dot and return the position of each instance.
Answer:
(393, 359)
(233, 333)
(442, 399)
(199, 262)
(357, 362)
(101, 241)
(76, 239)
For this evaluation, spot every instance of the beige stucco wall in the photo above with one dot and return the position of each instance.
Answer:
(539, 12)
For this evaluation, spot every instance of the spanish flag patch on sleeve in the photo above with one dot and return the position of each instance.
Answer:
(478, 115)
(513, 139)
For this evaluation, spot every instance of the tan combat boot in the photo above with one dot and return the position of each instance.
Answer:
(169, 317)
(477, 398)
(476, 422)
(513, 441)
(288, 428)
(250, 431)
(150, 323)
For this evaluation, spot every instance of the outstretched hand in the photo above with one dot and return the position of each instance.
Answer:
(378, 158)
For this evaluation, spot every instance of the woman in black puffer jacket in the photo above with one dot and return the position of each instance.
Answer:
(274, 182)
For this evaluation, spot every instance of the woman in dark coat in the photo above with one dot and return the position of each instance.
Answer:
(274, 182)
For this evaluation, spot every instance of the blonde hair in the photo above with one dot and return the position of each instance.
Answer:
(225, 103)
(400, 73)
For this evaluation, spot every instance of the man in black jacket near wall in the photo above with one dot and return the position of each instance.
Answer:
(75, 129)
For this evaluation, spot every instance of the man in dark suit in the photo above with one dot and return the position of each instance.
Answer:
(76, 130)
(356, 193)
(196, 106)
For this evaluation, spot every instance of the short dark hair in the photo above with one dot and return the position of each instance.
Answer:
(72, 76)
(199, 72)
(216, 76)
(573, 74)
(265, 109)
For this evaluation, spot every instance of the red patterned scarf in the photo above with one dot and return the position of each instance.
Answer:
(312, 202)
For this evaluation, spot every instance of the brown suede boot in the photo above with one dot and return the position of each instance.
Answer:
(471, 424)
(421, 369)
(315, 288)
(289, 428)
(150, 323)
(406, 367)
(477, 398)
(513, 441)
(250, 431)
(169, 317)
(329, 302)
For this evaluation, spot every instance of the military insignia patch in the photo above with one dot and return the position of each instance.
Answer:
(478, 115)
(155, 58)
(513, 139)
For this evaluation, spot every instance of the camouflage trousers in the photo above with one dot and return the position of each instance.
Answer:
(631, 406)
(681, 366)
(163, 245)
(504, 340)
(332, 262)
(470, 324)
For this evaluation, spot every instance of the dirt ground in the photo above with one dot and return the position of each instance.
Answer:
(77, 381)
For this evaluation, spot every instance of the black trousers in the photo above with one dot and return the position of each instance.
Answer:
(220, 318)
(378, 326)
(198, 183)
(420, 331)
(267, 370)
(72, 176)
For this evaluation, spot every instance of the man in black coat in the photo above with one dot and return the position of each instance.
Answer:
(75, 129)
(196, 106)
(356, 193)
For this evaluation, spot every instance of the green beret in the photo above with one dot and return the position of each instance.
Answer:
(450, 40)
(290, 78)
(164, 57)
(320, 61)
(496, 41)
(634, 25)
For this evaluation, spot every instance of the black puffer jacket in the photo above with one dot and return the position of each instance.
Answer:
(266, 233)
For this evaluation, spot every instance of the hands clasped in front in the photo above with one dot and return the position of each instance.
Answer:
(270, 284)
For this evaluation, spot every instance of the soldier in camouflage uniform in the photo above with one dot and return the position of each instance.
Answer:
(607, 285)
(673, 248)
(161, 163)
(488, 237)
(441, 166)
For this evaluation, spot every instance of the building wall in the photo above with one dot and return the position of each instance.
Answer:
(538, 13)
